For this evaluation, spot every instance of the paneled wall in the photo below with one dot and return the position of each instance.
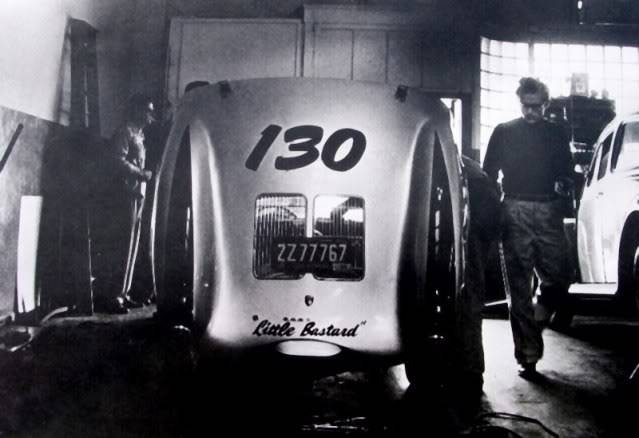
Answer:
(339, 41)
(390, 46)
(429, 47)
(215, 50)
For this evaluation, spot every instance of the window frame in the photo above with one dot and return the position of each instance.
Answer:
(606, 151)
(594, 165)
(616, 147)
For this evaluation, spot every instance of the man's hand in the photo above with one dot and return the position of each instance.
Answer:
(564, 187)
(147, 175)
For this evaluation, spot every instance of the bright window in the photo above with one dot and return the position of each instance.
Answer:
(629, 149)
(612, 71)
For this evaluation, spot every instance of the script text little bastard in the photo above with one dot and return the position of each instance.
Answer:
(286, 329)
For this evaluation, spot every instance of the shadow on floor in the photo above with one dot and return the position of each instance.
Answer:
(130, 377)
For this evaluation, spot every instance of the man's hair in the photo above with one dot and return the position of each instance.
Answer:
(532, 86)
(137, 104)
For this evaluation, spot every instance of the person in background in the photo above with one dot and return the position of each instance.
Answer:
(484, 207)
(116, 223)
(533, 155)
(155, 135)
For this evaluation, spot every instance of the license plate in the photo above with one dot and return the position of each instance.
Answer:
(332, 257)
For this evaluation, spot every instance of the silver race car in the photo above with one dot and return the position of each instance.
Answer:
(314, 218)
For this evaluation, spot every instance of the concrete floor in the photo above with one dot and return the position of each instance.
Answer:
(125, 377)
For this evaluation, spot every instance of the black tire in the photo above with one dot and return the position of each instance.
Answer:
(175, 300)
(628, 285)
(432, 357)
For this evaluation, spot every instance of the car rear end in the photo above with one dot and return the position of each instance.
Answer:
(312, 215)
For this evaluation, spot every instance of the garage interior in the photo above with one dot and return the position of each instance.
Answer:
(68, 67)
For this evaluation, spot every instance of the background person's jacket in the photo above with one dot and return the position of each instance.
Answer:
(485, 201)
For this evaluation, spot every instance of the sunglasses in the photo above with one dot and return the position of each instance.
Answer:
(533, 106)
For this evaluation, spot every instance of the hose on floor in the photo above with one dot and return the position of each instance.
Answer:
(483, 428)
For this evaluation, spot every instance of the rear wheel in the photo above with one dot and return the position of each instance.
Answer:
(175, 300)
(432, 356)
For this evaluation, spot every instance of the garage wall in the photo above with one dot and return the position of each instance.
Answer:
(428, 45)
(41, 157)
(215, 50)
(394, 46)
(32, 34)
(449, 29)
(50, 161)
(433, 48)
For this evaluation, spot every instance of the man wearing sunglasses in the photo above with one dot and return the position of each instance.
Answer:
(116, 221)
(533, 156)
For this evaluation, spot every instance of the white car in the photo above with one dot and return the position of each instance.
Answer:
(312, 218)
(608, 215)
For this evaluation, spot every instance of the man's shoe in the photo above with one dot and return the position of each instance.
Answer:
(112, 306)
(528, 371)
(130, 304)
(140, 295)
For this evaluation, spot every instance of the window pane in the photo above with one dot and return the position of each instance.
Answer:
(594, 53)
(629, 153)
(484, 62)
(494, 47)
(483, 98)
(577, 53)
(614, 88)
(612, 54)
(613, 71)
(610, 70)
(506, 63)
(630, 71)
(521, 51)
(596, 70)
(578, 67)
(508, 49)
(522, 66)
(494, 64)
(630, 55)
(605, 155)
(541, 51)
(558, 51)
(484, 44)
(543, 67)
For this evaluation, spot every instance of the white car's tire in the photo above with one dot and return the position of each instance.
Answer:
(628, 287)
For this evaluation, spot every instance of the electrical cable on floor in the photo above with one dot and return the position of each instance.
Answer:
(54, 313)
(483, 426)
(492, 431)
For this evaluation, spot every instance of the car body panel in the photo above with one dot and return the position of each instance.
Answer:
(605, 208)
(236, 310)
